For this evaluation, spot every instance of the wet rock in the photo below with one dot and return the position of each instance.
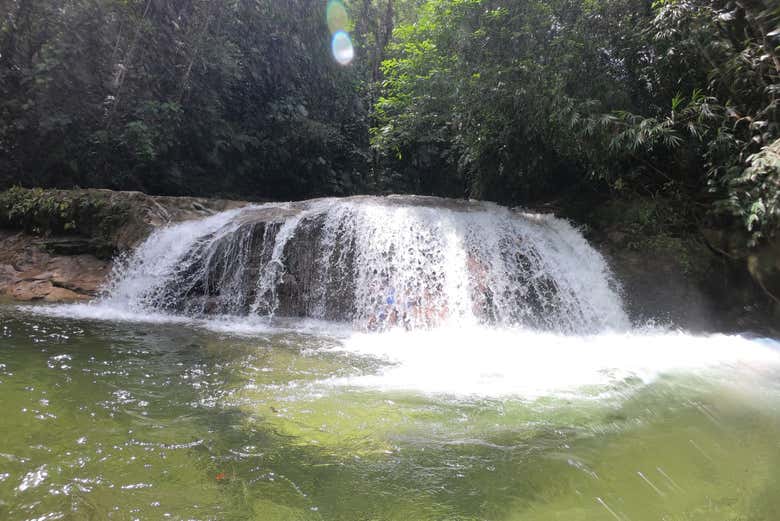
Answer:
(64, 295)
(222, 279)
(148, 212)
(699, 282)
(40, 289)
(82, 274)
(7, 275)
(764, 266)
(656, 287)
(754, 276)
(26, 290)
(97, 222)
(75, 246)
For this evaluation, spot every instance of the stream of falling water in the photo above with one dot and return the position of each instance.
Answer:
(377, 263)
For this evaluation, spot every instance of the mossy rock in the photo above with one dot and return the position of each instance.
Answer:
(96, 221)
(94, 215)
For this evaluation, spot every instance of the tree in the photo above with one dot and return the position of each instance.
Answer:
(168, 96)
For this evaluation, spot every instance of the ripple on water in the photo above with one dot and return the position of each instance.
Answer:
(151, 419)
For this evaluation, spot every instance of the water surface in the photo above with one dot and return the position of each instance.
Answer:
(298, 421)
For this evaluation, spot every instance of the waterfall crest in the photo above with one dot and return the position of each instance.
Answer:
(399, 261)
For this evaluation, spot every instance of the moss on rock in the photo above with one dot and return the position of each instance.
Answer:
(95, 221)
(91, 214)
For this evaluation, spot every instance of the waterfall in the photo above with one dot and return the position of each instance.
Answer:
(377, 262)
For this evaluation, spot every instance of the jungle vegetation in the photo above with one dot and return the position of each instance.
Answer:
(517, 101)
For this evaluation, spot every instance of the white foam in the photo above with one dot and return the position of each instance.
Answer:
(134, 285)
(107, 312)
(497, 363)
(247, 326)
(480, 361)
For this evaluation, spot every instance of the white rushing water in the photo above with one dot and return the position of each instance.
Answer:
(500, 362)
(457, 298)
(378, 263)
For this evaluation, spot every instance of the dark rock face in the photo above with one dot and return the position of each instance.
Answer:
(673, 271)
(764, 266)
(656, 289)
(302, 289)
(757, 269)
(298, 286)
(236, 274)
(691, 283)
(221, 278)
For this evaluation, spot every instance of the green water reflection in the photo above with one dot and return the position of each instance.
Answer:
(131, 421)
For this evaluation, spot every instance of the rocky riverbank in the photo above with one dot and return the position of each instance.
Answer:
(29, 271)
(58, 245)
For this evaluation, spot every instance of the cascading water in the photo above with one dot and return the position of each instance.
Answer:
(379, 263)
(450, 297)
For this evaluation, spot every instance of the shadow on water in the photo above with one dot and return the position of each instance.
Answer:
(125, 421)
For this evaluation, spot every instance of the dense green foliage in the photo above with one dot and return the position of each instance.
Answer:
(95, 215)
(519, 100)
(173, 96)
(510, 100)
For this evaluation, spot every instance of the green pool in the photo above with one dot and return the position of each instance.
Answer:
(138, 420)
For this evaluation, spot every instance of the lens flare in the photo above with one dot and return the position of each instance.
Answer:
(337, 16)
(343, 51)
